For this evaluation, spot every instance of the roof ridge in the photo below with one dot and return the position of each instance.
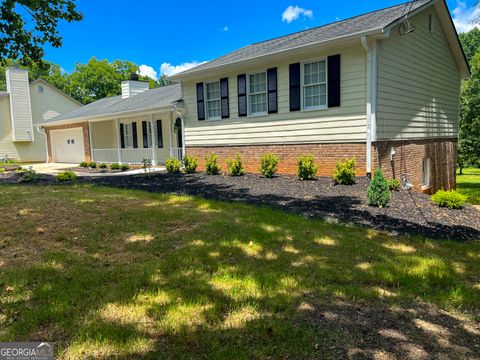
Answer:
(336, 22)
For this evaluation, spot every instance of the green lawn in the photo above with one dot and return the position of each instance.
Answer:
(469, 184)
(115, 273)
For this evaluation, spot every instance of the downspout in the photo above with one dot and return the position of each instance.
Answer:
(41, 130)
(371, 99)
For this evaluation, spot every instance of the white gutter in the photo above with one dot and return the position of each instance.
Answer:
(372, 72)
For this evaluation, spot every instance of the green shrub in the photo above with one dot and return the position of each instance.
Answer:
(173, 165)
(450, 199)
(92, 165)
(29, 175)
(146, 165)
(115, 166)
(84, 164)
(211, 164)
(344, 172)
(66, 176)
(102, 166)
(2, 170)
(307, 167)
(378, 192)
(124, 167)
(235, 166)
(190, 164)
(268, 165)
(394, 184)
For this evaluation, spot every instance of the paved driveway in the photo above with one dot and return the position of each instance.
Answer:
(50, 168)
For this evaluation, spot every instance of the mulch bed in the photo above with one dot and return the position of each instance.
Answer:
(409, 212)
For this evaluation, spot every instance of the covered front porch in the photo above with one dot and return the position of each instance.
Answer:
(152, 137)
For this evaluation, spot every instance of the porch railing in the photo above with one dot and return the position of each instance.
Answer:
(129, 156)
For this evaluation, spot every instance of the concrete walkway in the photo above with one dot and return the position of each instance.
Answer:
(55, 168)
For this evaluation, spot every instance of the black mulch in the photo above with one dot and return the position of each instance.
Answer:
(409, 213)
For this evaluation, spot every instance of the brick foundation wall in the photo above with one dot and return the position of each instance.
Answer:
(408, 160)
(86, 138)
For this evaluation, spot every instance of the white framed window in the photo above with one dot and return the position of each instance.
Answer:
(426, 172)
(314, 85)
(128, 135)
(149, 134)
(257, 94)
(212, 102)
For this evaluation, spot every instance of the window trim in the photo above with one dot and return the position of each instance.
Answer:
(302, 80)
(265, 113)
(426, 172)
(205, 97)
(128, 126)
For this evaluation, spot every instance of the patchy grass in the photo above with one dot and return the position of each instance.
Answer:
(115, 273)
(469, 184)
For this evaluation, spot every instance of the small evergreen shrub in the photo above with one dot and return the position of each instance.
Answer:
(29, 175)
(451, 199)
(190, 164)
(235, 166)
(268, 165)
(66, 176)
(115, 166)
(124, 167)
(84, 164)
(307, 167)
(92, 165)
(344, 172)
(2, 170)
(173, 165)
(378, 192)
(102, 166)
(394, 184)
(211, 164)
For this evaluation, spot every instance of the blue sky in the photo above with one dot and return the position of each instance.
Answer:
(165, 37)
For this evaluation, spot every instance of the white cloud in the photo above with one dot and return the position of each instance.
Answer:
(169, 69)
(292, 13)
(146, 70)
(225, 28)
(466, 18)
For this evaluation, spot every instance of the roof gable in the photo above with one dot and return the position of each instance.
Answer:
(55, 89)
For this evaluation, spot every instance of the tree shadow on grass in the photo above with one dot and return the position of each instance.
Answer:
(248, 283)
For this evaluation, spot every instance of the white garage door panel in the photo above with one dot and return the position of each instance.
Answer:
(67, 145)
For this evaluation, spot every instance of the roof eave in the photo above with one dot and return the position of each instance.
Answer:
(192, 73)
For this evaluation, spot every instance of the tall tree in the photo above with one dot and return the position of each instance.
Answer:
(470, 42)
(24, 42)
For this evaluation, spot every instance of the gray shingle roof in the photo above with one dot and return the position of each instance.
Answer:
(365, 23)
(150, 99)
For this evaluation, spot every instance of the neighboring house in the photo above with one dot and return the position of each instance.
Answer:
(138, 124)
(23, 107)
(382, 87)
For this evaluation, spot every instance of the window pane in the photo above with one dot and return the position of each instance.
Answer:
(213, 90)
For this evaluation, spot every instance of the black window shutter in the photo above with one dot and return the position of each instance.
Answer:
(145, 134)
(242, 94)
(272, 90)
(334, 80)
(200, 102)
(122, 137)
(224, 98)
(134, 134)
(159, 134)
(294, 87)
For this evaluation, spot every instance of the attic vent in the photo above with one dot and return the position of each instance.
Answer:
(40, 89)
(430, 23)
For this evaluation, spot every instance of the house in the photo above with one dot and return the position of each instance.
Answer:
(138, 124)
(23, 108)
(382, 87)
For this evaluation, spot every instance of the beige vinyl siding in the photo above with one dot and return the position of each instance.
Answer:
(20, 106)
(418, 83)
(103, 134)
(44, 106)
(343, 124)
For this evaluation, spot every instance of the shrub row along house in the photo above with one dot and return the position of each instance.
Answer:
(382, 87)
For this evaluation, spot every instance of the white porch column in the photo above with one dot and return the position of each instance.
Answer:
(119, 143)
(183, 136)
(170, 133)
(154, 158)
(90, 140)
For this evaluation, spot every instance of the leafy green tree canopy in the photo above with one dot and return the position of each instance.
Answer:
(470, 42)
(25, 43)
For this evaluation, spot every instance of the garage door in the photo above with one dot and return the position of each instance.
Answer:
(67, 145)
